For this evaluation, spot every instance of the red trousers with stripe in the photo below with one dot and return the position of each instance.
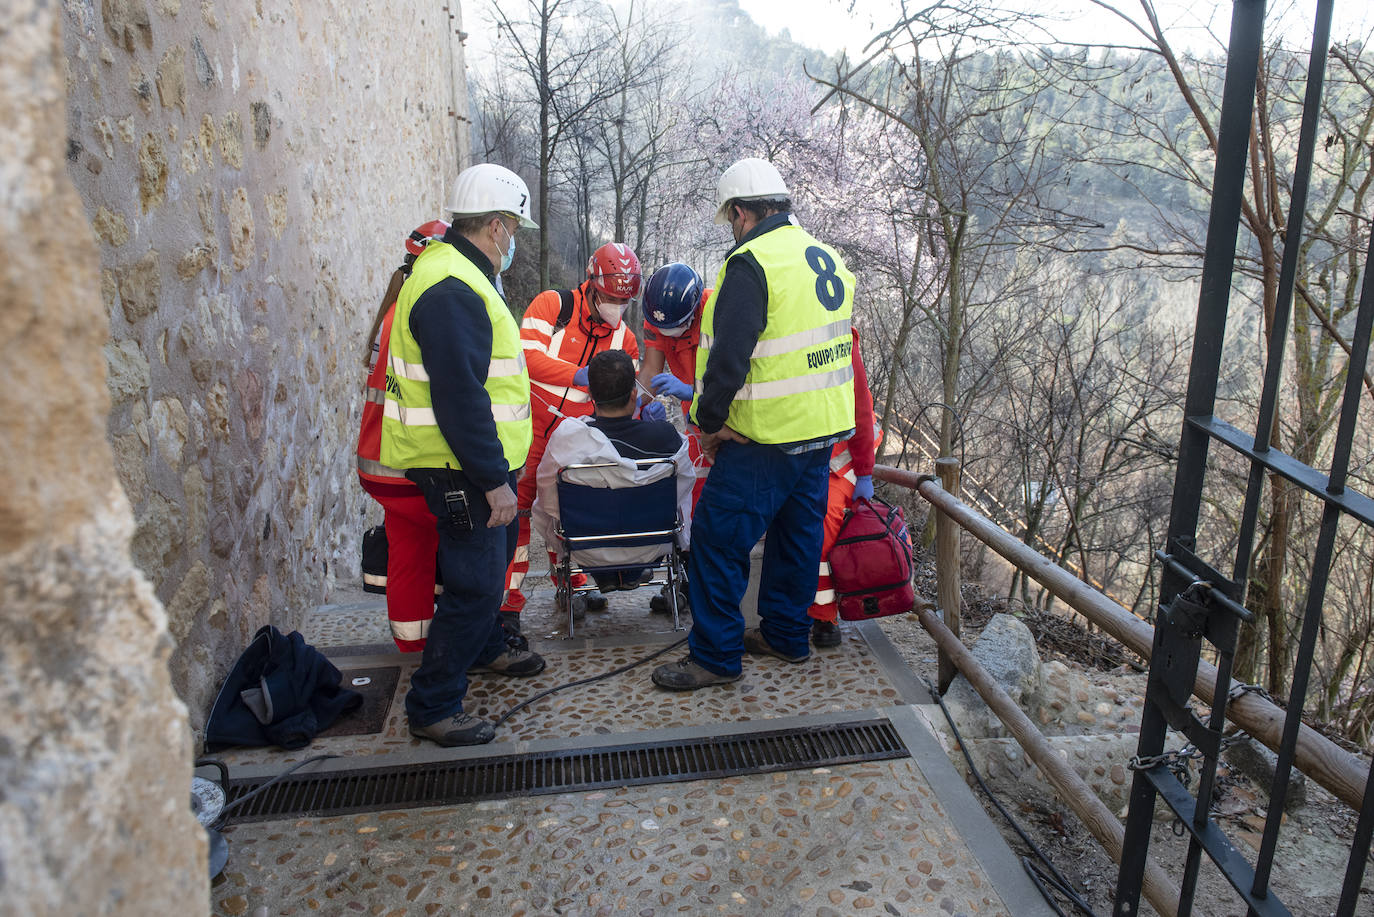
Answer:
(524, 498)
(825, 608)
(412, 540)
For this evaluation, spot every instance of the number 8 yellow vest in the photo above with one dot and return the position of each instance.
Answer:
(800, 384)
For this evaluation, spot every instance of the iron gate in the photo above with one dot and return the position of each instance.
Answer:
(1197, 602)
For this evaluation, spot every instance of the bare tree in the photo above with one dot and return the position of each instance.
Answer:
(1334, 234)
(968, 114)
(558, 47)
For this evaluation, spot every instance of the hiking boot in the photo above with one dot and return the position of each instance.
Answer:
(687, 675)
(755, 645)
(659, 604)
(515, 663)
(515, 640)
(595, 601)
(825, 634)
(579, 606)
(461, 729)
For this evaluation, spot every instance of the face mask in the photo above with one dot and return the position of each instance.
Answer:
(509, 256)
(677, 332)
(610, 312)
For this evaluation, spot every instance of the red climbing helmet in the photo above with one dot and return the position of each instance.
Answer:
(614, 270)
(423, 234)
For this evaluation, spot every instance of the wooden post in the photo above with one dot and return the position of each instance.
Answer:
(947, 576)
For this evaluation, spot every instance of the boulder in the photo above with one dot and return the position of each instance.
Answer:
(1006, 650)
(1256, 761)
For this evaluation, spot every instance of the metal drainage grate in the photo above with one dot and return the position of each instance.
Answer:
(500, 777)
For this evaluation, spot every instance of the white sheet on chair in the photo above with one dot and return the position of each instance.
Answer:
(576, 443)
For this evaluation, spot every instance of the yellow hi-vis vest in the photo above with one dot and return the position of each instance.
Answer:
(410, 434)
(800, 384)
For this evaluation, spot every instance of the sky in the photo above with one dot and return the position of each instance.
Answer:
(831, 25)
(835, 25)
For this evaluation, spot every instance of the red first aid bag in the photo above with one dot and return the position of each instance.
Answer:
(870, 562)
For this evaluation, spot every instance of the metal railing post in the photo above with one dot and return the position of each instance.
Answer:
(947, 573)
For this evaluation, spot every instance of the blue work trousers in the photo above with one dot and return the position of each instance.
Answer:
(467, 623)
(753, 489)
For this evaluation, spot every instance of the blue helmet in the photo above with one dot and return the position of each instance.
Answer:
(672, 296)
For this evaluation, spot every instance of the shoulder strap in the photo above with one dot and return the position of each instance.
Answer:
(565, 311)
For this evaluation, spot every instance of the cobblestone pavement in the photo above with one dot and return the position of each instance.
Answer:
(859, 839)
(845, 679)
(871, 838)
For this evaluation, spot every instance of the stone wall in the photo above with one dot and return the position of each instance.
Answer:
(250, 170)
(95, 754)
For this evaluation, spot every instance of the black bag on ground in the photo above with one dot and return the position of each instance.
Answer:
(281, 691)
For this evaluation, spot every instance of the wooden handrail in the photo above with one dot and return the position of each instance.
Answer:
(1339, 771)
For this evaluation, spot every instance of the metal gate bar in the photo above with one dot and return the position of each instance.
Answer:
(1197, 602)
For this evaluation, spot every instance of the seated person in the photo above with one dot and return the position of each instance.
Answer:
(612, 434)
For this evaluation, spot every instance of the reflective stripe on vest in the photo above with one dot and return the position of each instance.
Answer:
(370, 425)
(841, 461)
(800, 384)
(410, 434)
(567, 393)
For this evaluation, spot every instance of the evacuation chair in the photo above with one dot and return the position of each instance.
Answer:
(608, 531)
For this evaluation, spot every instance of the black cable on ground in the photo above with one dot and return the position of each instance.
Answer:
(585, 681)
(1055, 878)
(224, 813)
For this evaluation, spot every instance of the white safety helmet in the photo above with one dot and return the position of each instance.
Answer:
(748, 179)
(486, 187)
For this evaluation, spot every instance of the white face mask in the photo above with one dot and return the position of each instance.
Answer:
(677, 332)
(611, 312)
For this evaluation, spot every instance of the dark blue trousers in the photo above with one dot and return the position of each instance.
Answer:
(467, 623)
(753, 489)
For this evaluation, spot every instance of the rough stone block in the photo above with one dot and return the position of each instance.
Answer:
(1006, 650)
(1256, 761)
(231, 140)
(110, 227)
(152, 173)
(140, 287)
(128, 23)
(240, 214)
(171, 79)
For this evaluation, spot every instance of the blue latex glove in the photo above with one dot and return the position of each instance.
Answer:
(652, 410)
(863, 488)
(670, 385)
(580, 377)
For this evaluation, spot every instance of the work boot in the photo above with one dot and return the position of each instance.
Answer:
(595, 601)
(515, 663)
(825, 634)
(460, 729)
(687, 675)
(579, 606)
(515, 640)
(755, 645)
(659, 604)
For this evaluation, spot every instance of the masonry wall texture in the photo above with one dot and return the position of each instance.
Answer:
(250, 170)
(95, 754)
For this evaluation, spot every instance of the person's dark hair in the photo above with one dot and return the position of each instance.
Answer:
(611, 378)
(762, 209)
(467, 225)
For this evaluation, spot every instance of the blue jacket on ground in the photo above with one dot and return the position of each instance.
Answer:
(281, 691)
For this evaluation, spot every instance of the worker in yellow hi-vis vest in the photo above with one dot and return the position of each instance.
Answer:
(774, 392)
(457, 420)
